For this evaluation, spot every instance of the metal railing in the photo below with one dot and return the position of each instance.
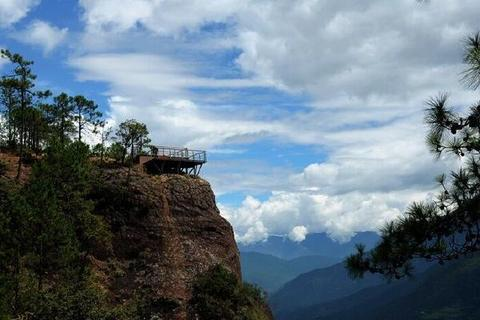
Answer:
(180, 153)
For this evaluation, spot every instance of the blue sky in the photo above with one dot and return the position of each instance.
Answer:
(311, 110)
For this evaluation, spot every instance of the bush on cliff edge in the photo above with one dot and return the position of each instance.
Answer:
(218, 294)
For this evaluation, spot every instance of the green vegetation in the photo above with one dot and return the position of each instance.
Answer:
(133, 136)
(35, 120)
(218, 294)
(47, 231)
(58, 218)
(448, 227)
(49, 225)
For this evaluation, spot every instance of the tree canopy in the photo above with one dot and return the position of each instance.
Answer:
(48, 224)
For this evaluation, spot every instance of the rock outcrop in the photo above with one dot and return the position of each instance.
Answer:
(166, 231)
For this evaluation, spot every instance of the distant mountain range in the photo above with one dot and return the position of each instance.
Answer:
(316, 244)
(270, 272)
(436, 292)
(317, 287)
(308, 281)
(272, 263)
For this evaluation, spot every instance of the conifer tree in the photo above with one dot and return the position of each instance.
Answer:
(9, 103)
(23, 83)
(86, 113)
(101, 148)
(60, 117)
(449, 226)
(133, 135)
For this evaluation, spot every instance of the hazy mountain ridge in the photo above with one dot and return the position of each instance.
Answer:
(440, 292)
(314, 244)
(277, 260)
(270, 272)
(315, 287)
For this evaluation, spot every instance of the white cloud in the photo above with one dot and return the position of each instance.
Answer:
(371, 174)
(364, 53)
(369, 178)
(42, 34)
(159, 16)
(154, 89)
(12, 11)
(339, 216)
(367, 65)
(148, 74)
(298, 233)
(183, 123)
(341, 51)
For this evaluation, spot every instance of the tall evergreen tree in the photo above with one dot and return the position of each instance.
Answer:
(23, 82)
(133, 135)
(9, 102)
(101, 148)
(86, 113)
(60, 117)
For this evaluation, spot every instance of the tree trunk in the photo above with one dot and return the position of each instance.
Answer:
(130, 164)
(22, 128)
(79, 126)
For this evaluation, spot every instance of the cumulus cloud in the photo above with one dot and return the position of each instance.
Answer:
(350, 52)
(366, 65)
(163, 17)
(12, 11)
(369, 178)
(42, 34)
(298, 233)
(339, 216)
(371, 52)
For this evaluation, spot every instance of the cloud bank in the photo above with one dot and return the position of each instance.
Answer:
(365, 66)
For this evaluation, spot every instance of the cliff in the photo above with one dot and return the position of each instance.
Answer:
(167, 231)
(116, 246)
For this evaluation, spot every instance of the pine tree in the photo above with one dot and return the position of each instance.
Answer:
(133, 135)
(9, 102)
(449, 226)
(86, 113)
(22, 80)
(60, 117)
(100, 149)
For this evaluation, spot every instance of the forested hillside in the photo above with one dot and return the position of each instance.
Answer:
(85, 233)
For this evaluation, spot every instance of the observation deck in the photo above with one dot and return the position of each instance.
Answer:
(173, 160)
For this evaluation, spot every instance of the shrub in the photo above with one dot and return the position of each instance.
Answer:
(218, 294)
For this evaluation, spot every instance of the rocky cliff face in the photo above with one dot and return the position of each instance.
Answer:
(166, 231)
